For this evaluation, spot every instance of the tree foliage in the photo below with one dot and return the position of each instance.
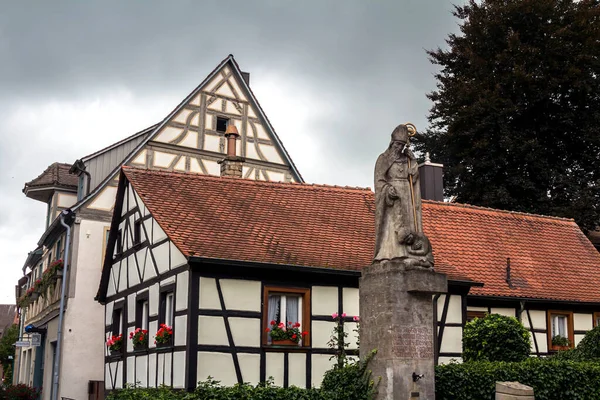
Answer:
(516, 114)
(7, 345)
(496, 338)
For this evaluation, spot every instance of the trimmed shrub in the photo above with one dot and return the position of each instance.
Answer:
(551, 379)
(589, 347)
(352, 381)
(496, 338)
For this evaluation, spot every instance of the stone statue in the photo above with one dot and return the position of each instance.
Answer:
(398, 227)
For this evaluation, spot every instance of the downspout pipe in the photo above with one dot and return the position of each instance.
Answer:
(63, 215)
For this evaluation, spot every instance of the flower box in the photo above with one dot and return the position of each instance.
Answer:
(115, 352)
(140, 347)
(284, 342)
(560, 348)
(168, 343)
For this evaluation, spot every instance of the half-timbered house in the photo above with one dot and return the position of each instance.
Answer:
(219, 258)
(190, 139)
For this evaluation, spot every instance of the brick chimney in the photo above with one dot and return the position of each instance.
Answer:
(231, 165)
(431, 179)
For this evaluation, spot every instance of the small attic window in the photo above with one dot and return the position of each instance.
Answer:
(222, 124)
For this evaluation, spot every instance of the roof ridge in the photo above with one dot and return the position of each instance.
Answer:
(481, 208)
(307, 186)
(119, 142)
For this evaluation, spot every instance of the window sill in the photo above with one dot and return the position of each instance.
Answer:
(280, 348)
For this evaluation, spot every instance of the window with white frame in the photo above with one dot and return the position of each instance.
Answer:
(560, 329)
(287, 306)
(167, 311)
(170, 306)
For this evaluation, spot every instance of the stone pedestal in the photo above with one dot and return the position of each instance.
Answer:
(513, 391)
(396, 311)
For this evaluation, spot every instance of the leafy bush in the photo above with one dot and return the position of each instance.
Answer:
(352, 381)
(19, 392)
(551, 379)
(496, 338)
(589, 347)
(587, 350)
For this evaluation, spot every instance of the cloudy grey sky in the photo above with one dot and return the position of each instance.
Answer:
(334, 78)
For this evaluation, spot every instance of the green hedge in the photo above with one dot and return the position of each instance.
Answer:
(211, 390)
(551, 379)
(496, 338)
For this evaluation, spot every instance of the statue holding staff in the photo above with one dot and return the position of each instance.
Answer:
(398, 226)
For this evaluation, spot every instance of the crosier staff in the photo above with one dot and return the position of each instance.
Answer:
(412, 131)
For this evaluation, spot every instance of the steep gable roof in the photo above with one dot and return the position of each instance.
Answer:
(333, 227)
(156, 129)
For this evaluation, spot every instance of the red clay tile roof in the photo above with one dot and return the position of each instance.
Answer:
(333, 227)
(56, 174)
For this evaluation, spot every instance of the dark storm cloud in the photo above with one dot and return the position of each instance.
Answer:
(362, 62)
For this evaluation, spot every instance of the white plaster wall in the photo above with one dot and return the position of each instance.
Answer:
(451, 340)
(351, 301)
(152, 369)
(583, 322)
(538, 319)
(542, 341)
(241, 294)
(105, 200)
(250, 367)
(180, 330)
(130, 369)
(141, 370)
(84, 317)
(182, 291)
(179, 369)
(274, 367)
(324, 300)
(508, 312)
(454, 310)
(217, 365)
(66, 200)
(320, 365)
(321, 333)
(209, 297)
(211, 330)
(297, 369)
(161, 255)
(245, 331)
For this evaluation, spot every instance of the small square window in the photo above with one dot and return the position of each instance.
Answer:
(222, 124)
(287, 306)
(596, 319)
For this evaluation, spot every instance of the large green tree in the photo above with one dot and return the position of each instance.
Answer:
(7, 347)
(516, 112)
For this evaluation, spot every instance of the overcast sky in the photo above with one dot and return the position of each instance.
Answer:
(334, 78)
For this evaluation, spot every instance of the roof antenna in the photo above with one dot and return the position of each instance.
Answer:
(508, 273)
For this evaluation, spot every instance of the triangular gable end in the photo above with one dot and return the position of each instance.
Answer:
(196, 126)
(188, 140)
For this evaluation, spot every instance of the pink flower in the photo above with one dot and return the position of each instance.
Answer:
(281, 325)
(343, 315)
(334, 315)
(356, 318)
